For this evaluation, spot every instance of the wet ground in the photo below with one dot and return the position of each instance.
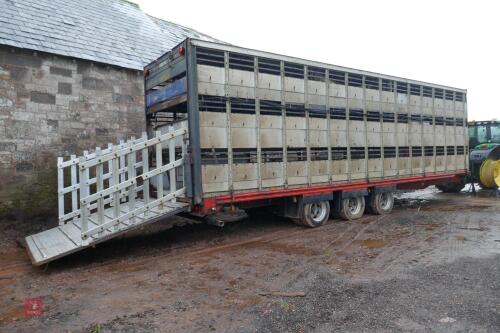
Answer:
(431, 265)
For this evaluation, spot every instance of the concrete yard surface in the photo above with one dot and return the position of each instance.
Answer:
(432, 265)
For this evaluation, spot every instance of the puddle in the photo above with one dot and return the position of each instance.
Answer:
(371, 243)
(14, 314)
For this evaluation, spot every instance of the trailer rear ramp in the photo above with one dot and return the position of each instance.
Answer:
(113, 191)
(63, 240)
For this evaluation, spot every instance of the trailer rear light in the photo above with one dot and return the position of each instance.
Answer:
(146, 72)
(181, 50)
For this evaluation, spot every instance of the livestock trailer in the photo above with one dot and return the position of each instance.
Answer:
(230, 128)
(300, 135)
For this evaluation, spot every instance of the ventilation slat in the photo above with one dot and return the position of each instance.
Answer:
(270, 108)
(242, 105)
(207, 103)
(338, 113)
(294, 70)
(241, 61)
(209, 57)
(295, 110)
(319, 153)
(272, 155)
(269, 66)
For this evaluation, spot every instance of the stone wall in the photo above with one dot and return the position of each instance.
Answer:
(56, 106)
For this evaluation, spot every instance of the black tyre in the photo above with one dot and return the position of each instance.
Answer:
(381, 203)
(451, 187)
(352, 208)
(315, 214)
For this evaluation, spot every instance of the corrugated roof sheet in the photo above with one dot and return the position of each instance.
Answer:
(114, 32)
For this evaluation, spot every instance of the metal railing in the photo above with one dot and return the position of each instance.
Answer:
(119, 186)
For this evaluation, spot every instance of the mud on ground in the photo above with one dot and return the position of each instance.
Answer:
(431, 265)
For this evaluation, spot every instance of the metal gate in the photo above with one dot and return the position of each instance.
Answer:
(113, 190)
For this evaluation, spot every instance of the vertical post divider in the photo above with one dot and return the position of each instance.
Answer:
(121, 162)
(131, 175)
(184, 157)
(171, 159)
(99, 188)
(116, 180)
(84, 189)
(159, 162)
(60, 188)
(145, 169)
(74, 192)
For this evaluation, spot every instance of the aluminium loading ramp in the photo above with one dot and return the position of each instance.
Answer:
(109, 191)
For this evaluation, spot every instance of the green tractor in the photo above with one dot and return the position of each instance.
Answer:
(484, 154)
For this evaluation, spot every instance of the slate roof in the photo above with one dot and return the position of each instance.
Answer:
(113, 32)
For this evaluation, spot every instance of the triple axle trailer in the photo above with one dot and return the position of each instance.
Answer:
(230, 128)
(303, 136)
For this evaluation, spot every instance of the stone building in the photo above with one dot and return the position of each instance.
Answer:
(70, 79)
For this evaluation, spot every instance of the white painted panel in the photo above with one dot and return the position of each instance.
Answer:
(316, 87)
(358, 169)
(357, 133)
(238, 77)
(296, 122)
(213, 119)
(271, 95)
(294, 85)
(242, 120)
(338, 124)
(245, 172)
(291, 97)
(387, 97)
(374, 139)
(415, 101)
(271, 138)
(338, 138)
(295, 138)
(318, 138)
(337, 90)
(374, 164)
(214, 178)
(390, 166)
(241, 92)
(372, 95)
(388, 139)
(316, 99)
(355, 92)
(271, 121)
(318, 123)
(337, 102)
(429, 163)
(269, 81)
(440, 163)
(211, 74)
(272, 170)
(211, 89)
(404, 165)
(243, 137)
(213, 137)
(319, 168)
(339, 169)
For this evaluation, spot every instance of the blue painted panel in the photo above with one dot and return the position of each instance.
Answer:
(174, 89)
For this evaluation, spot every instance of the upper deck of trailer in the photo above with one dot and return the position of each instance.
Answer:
(164, 60)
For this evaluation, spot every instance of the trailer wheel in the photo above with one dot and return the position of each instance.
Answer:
(352, 208)
(315, 214)
(381, 203)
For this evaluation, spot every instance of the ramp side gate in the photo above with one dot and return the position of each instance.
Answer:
(113, 190)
